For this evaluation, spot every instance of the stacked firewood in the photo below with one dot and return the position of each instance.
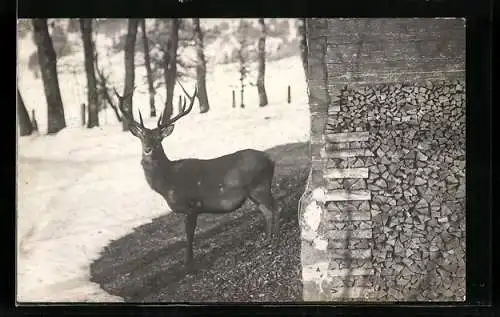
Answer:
(417, 183)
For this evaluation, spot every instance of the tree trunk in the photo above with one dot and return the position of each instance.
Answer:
(170, 64)
(262, 65)
(201, 68)
(303, 43)
(25, 126)
(48, 68)
(129, 68)
(149, 73)
(88, 49)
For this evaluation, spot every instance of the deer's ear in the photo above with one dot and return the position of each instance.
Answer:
(135, 130)
(167, 131)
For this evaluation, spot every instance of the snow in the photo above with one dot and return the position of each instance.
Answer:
(82, 188)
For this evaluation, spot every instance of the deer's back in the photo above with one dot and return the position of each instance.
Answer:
(217, 185)
(232, 170)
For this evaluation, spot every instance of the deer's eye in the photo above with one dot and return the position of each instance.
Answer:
(148, 150)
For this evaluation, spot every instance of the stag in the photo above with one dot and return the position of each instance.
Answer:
(195, 186)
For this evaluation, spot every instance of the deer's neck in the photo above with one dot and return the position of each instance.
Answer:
(157, 168)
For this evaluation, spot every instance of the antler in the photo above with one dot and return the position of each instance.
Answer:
(184, 110)
(125, 114)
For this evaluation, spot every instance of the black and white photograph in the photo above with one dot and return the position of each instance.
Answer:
(241, 160)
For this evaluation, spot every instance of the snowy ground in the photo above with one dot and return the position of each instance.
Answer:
(80, 189)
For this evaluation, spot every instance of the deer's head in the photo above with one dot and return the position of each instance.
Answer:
(151, 138)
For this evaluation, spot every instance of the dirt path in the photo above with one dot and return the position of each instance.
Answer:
(233, 261)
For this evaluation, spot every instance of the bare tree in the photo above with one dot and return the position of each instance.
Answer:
(102, 81)
(103, 87)
(303, 42)
(25, 126)
(243, 58)
(88, 49)
(48, 67)
(129, 68)
(149, 73)
(261, 88)
(201, 67)
(170, 67)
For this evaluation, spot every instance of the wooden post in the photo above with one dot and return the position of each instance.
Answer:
(105, 116)
(234, 99)
(179, 106)
(83, 114)
(33, 120)
(289, 97)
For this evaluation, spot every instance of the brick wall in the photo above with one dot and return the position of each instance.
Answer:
(339, 212)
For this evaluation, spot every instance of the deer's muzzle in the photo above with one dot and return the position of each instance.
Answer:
(147, 150)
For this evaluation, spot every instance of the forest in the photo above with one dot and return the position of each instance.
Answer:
(157, 52)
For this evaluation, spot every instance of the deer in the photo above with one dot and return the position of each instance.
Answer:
(194, 186)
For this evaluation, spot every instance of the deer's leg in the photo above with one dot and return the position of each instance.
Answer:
(190, 223)
(268, 214)
(266, 204)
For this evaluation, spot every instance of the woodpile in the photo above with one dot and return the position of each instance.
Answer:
(417, 183)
